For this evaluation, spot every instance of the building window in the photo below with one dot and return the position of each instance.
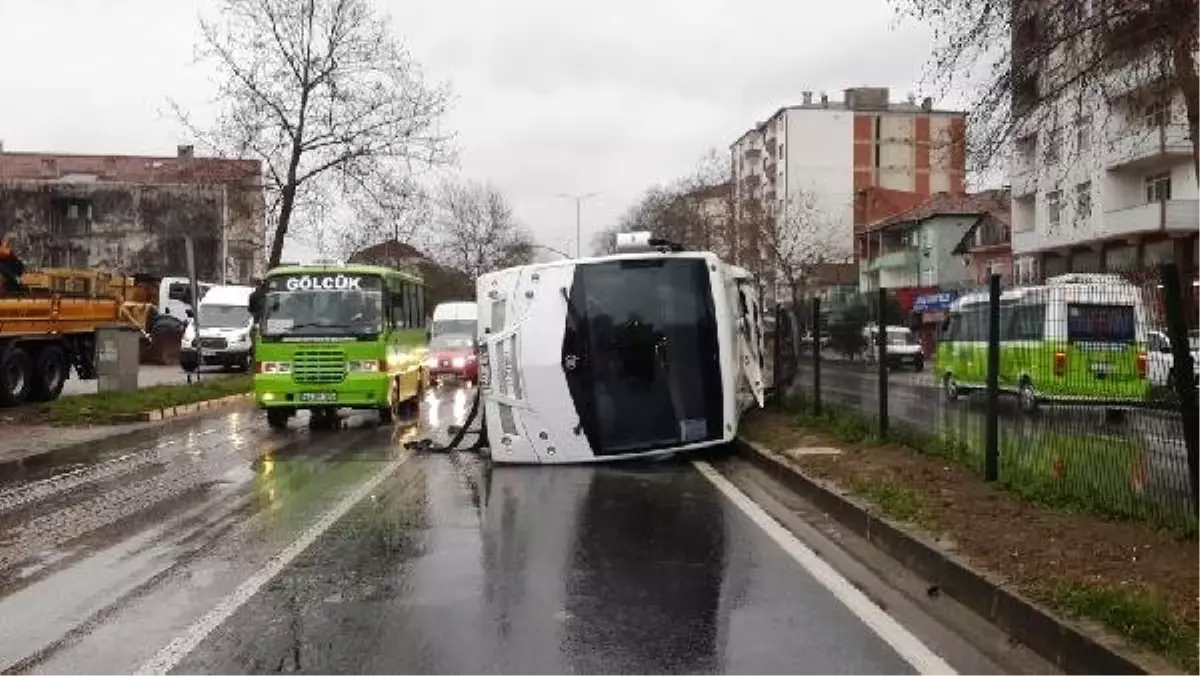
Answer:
(1083, 203)
(1157, 113)
(1158, 188)
(1053, 140)
(781, 152)
(1083, 133)
(1053, 210)
(71, 218)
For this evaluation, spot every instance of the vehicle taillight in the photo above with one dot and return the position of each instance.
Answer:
(258, 366)
(1143, 366)
(1060, 363)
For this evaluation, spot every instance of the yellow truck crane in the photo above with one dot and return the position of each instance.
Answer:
(48, 321)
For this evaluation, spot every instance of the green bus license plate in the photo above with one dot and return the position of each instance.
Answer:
(318, 397)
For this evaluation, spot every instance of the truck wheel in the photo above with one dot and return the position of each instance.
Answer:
(16, 376)
(85, 359)
(277, 418)
(49, 374)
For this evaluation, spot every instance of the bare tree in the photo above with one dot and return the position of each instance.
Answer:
(477, 230)
(1027, 58)
(693, 210)
(410, 224)
(321, 92)
(797, 241)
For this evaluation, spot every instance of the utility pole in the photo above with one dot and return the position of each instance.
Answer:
(578, 217)
(224, 234)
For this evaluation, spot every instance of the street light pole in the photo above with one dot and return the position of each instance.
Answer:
(224, 233)
(578, 217)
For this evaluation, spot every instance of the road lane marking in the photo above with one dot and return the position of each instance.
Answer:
(908, 646)
(174, 652)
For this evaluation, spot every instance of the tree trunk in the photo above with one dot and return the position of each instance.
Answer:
(1184, 64)
(281, 227)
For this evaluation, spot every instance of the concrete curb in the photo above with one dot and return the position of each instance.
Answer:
(158, 415)
(1066, 646)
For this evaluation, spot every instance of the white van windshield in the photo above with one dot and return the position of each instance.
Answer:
(223, 316)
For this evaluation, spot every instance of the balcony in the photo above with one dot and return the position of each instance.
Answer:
(904, 258)
(1168, 215)
(1146, 148)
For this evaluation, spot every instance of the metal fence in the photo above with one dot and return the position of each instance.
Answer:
(1079, 392)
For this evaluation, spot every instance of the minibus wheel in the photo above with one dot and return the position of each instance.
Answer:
(1026, 397)
(950, 387)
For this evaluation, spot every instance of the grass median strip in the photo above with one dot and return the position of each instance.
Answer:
(114, 407)
(1044, 529)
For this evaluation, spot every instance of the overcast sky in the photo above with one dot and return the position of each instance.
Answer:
(552, 96)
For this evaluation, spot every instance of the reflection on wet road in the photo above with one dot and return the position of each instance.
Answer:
(219, 546)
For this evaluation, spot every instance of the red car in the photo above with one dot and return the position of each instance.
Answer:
(452, 356)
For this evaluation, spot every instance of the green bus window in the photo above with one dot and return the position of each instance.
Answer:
(401, 307)
(410, 304)
(389, 313)
(420, 305)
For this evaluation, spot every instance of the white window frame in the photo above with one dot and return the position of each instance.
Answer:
(1083, 203)
(1053, 210)
(1053, 146)
(1157, 188)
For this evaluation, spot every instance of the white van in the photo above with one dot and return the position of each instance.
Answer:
(175, 297)
(225, 330)
(903, 349)
(457, 318)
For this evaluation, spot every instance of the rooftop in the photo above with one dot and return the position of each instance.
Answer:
(717, 191)
(864, 99)
(996, 203)
(183, 168)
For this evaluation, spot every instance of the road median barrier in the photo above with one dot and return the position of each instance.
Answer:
(1071, 648)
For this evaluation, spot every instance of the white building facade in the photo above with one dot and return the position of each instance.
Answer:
(1105, 182)
(821, 153)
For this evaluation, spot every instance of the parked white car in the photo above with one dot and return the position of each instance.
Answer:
(903, 349)
(1160, 362)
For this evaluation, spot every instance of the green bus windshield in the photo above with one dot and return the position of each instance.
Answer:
(324, 305)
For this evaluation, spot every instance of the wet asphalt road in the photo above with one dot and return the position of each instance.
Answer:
(215, 545)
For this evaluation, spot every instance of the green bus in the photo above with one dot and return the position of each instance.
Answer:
(339, 336)
(1079, 339)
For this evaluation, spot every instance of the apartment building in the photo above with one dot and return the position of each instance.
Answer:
(1103, 180)
(130, 213)
(708, 223)
(827, 151)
